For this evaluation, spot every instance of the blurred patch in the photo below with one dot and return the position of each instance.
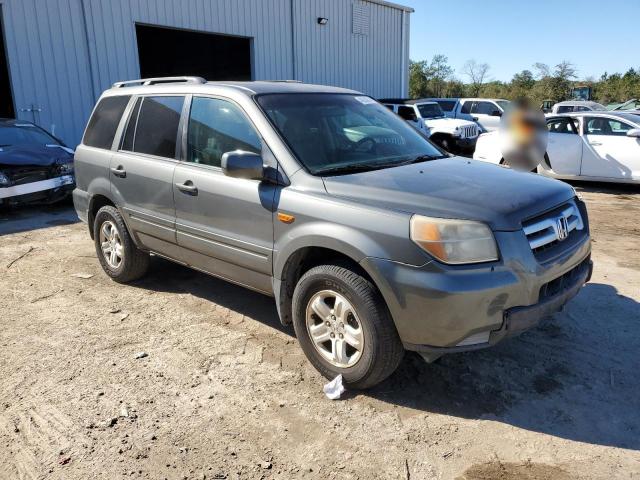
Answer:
(523, 136)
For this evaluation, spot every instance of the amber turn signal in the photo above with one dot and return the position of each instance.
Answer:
(285, 218)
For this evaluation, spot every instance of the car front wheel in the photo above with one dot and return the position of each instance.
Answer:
(118, 255)
(344, 326)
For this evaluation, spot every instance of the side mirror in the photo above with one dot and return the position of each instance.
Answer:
(634, 132)
(241, 164)
(496, 113)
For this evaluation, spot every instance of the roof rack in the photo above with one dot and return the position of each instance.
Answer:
(157, 80)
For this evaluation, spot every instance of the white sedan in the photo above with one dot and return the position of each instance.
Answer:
(599, 146)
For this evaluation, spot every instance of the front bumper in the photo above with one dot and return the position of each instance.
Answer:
(466, 143)
(41, 190)
(444, 309)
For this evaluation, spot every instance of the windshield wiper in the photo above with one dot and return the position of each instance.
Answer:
(361, 167)
(421, 158)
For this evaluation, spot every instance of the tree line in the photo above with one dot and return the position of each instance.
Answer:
(435, 78)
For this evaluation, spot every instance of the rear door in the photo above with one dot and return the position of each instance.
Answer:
(224, 224)
(564, 147)
(609, 153)
(142, 170)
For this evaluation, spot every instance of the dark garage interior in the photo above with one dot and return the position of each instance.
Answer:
(166, 52)
(6, 99)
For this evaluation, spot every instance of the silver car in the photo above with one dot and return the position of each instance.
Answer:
(371, 239)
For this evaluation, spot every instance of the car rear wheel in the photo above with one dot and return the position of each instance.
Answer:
(118, 255)
(344, 326)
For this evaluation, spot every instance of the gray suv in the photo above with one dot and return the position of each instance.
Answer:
(371, 239)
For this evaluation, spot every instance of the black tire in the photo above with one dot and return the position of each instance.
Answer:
(382, 351)
(134, 263)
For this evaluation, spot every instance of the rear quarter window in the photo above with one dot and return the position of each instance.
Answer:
(104, 122)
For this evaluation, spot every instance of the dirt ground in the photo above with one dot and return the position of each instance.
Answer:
(224, 391)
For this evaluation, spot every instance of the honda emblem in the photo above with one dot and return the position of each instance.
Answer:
(562, 228)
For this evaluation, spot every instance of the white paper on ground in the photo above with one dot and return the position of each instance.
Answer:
(334, 388)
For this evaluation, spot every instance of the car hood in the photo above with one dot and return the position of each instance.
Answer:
(455, 188)
(34, 155)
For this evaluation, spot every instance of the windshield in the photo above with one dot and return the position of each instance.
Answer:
(503, 104)
(430, 110)
(338, 133)
(25, 134)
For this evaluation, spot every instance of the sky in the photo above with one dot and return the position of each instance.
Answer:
(512, 35)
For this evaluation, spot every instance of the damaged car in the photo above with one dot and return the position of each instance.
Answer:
(35, 166)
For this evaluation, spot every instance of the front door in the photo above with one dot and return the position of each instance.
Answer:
(564, 147)
(408, 113)
(486, 114)
(224, 224)
(142, 171)
(608, 152)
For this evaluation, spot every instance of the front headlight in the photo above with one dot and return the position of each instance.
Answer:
(4, 180)
(454, 241)
(457, 132)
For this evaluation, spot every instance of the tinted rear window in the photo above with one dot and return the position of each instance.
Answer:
(154, 126)
(447, 105)
(104, 121)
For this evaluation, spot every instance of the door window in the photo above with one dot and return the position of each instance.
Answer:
(606, 126)
(562, 125)
(408, 113)
(153, 126)
(216, 127)
(484, 108)
(466, 107)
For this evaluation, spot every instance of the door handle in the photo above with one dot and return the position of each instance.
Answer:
(595, 143)
(187, 187)
(119, 171)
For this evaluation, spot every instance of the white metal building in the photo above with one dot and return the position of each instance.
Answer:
(57, 56)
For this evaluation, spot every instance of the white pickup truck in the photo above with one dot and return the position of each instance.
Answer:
(454, 135)
(485, 111)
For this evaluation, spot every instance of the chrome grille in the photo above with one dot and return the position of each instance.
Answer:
(469, 131)
(553, 227)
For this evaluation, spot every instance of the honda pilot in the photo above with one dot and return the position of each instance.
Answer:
(371, 239)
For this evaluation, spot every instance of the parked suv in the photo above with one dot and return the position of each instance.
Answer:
(485, 111)
(454, 135)
(370, 238)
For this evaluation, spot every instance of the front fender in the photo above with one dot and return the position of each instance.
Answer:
(350, 228)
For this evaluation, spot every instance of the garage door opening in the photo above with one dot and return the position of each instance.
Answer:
(166, 52)
(6, 98)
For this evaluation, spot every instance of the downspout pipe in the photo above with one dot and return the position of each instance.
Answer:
(404, 64)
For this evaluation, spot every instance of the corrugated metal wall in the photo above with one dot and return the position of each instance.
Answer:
(48, 64)
(113, 46)
(64, 53)
(332, 55)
